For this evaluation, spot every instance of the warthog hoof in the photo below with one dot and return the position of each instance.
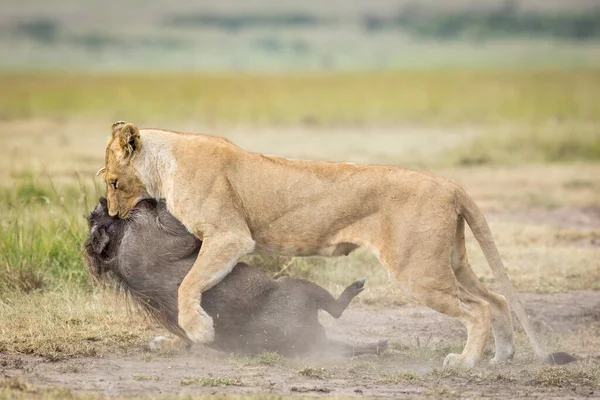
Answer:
(356, 287)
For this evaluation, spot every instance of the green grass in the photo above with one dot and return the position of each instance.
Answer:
(42, 229)
(546, 143)
(426, 97)
(39, 253)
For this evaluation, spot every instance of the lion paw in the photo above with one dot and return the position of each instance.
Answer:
(456, 361)
(500, 360)
(198, 326)
(503, 355)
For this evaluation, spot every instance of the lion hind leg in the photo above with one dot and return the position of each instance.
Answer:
(502, 327)
(431, 282)
(473, 312)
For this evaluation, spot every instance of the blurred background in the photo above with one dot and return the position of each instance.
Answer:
(502, 96)
(267, 35)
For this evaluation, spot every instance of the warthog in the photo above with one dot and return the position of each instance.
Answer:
(149, 254)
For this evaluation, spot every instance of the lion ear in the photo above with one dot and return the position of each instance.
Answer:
(129, 138)
(117, 126)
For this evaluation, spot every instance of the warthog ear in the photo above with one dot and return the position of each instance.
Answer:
(99, 240)
(129, 138)
(149, 203)
(102, 201)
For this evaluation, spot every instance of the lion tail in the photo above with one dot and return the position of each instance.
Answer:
(481, 230)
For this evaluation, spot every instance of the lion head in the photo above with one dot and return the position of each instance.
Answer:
(124, 187)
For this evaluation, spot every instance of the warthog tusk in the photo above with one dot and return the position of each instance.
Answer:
(101, 171)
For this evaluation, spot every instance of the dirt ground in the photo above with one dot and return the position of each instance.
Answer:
(419, 340)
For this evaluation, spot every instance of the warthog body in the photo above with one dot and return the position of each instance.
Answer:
(150, 253)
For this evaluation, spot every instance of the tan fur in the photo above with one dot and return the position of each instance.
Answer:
(240, 202)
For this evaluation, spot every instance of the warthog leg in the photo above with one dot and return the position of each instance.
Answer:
(336, 307)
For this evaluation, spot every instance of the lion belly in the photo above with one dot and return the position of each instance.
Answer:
(302, 250)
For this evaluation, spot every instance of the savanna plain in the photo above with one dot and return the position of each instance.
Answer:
(524, 143)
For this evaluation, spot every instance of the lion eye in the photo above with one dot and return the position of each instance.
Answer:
(114, 184)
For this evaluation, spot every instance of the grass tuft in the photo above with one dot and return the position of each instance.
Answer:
(561, 376)
(210, 382)
(399, 377)
(13, 384)
(312, 372)
(270, 358)
(145, 377)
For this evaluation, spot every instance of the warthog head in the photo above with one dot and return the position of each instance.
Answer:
(146, 255)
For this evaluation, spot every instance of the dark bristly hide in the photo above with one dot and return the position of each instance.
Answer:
(148, 254)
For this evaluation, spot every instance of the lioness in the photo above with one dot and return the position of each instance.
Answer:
(239, 202)
(149, 254)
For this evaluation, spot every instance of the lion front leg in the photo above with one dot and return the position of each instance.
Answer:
(218, 256)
